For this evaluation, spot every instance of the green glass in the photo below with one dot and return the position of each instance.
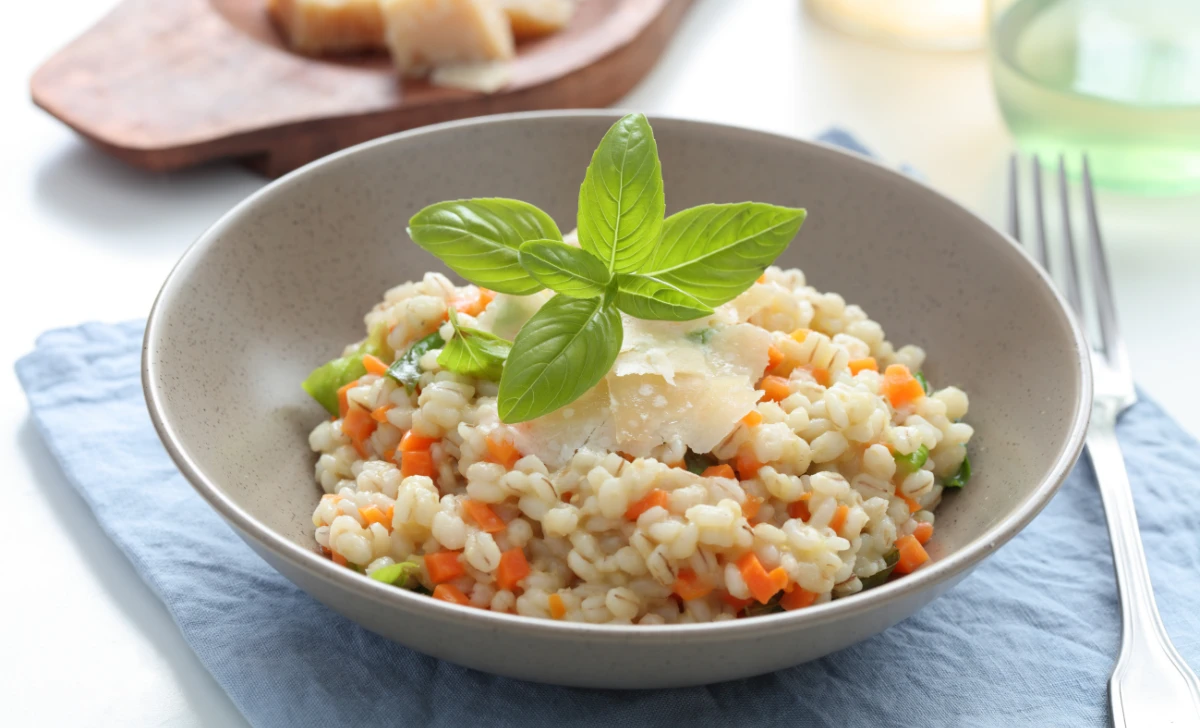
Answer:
(1118, 79)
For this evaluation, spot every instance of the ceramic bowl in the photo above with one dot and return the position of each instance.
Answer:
(281, 283)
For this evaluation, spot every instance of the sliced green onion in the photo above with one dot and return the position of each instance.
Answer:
(914, 461)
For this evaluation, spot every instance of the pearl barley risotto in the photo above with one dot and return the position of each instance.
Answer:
(774, 455)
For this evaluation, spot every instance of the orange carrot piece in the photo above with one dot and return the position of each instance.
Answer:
(338, 559)
(799, 335)
(913, 505)
(474, 306)
(751, 506)
(483, 515)
(680, 464)
(417, 462)
(779, 578)
(558, 609)
(775, 388)
(752, 419)
(374, 365)
(774, 357)
(912, 554)
(388, 515)
(372, 514)
(900, 386)
(655, 497)
(737, 604)
(799, 509)
(452, 594)
(762, 278)
(343, 401)
(746, 462)
(444, 566)
(839, 518)
(689, 586)
(358, 424)
(822, 376)
(502, 452)
(412, 442)
(361, 448)
(858, 365)
(923, 533)
(512, 569)
(379, 414)
(762, 585)
(718, 471)
(797, 599)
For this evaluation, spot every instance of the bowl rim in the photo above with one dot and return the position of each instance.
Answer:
(314, 564)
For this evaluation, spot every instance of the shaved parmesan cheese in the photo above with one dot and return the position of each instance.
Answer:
(659, 347)
(697, 410)
(740, 350)
(422, 33)
(585, 423)
(486, 77)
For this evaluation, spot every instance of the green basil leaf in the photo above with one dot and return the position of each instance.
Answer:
(407, 369)
(473, 352)
(563, 351)
(699, 462)
(654, 299)
(890, 559)
(924, 382)
(912, 462)
(398, 574)
(479, 239)
(714, 252)
(621, 203)
(325, 381)
(564, 268)
(960, 478)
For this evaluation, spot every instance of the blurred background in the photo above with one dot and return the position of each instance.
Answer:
(950, 87)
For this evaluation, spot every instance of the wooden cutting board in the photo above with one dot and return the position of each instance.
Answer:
(167, 84)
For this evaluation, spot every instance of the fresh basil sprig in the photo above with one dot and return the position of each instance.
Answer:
(473, 352)
(407, 369)
(630, 259)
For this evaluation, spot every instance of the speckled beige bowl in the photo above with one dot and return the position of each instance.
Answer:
(281, 283)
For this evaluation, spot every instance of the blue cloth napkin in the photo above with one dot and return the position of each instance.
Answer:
(1029, 638)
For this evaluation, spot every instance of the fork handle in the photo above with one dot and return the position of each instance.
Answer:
(1151, 684)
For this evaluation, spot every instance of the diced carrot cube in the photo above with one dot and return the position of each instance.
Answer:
(654, 498)
(502, 451)
(799, 508)
(751, 506)
(374, 365)
(797, 599)
(775, 388)
(417, 462)
(858, 365)
(373, 514)
(737, 604)
(752, 419)
(912, 554)
(338, 559)
(558, 609)
(900, 386)
(689, 586)
(839, 518)
(913, 505)
(343, 397)
(379, 414)
(774, 357)
(822, 376)
(412, 442)
(512, 569)
(746, 462)
(483, 515)
(358, 424)
(923, 532)
(718, 471)
(444, 566)
(762, 585)
(452, 594)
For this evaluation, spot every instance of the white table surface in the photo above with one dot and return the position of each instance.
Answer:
(84, 640)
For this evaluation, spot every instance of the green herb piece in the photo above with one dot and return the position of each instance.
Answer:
(912, 462)
(621, 202)
(699, 462)
(714, 252)
(325, 381)
(960, 478)
(407, 369)
(924, 382)
(771, 607)
(473, 352)
(401, 574)
(701, 336)
(649, 298)
(479, 239)
(564, 350)
(890, 559)
(564, 268)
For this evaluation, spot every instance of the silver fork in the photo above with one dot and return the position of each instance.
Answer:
(1151, 685)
